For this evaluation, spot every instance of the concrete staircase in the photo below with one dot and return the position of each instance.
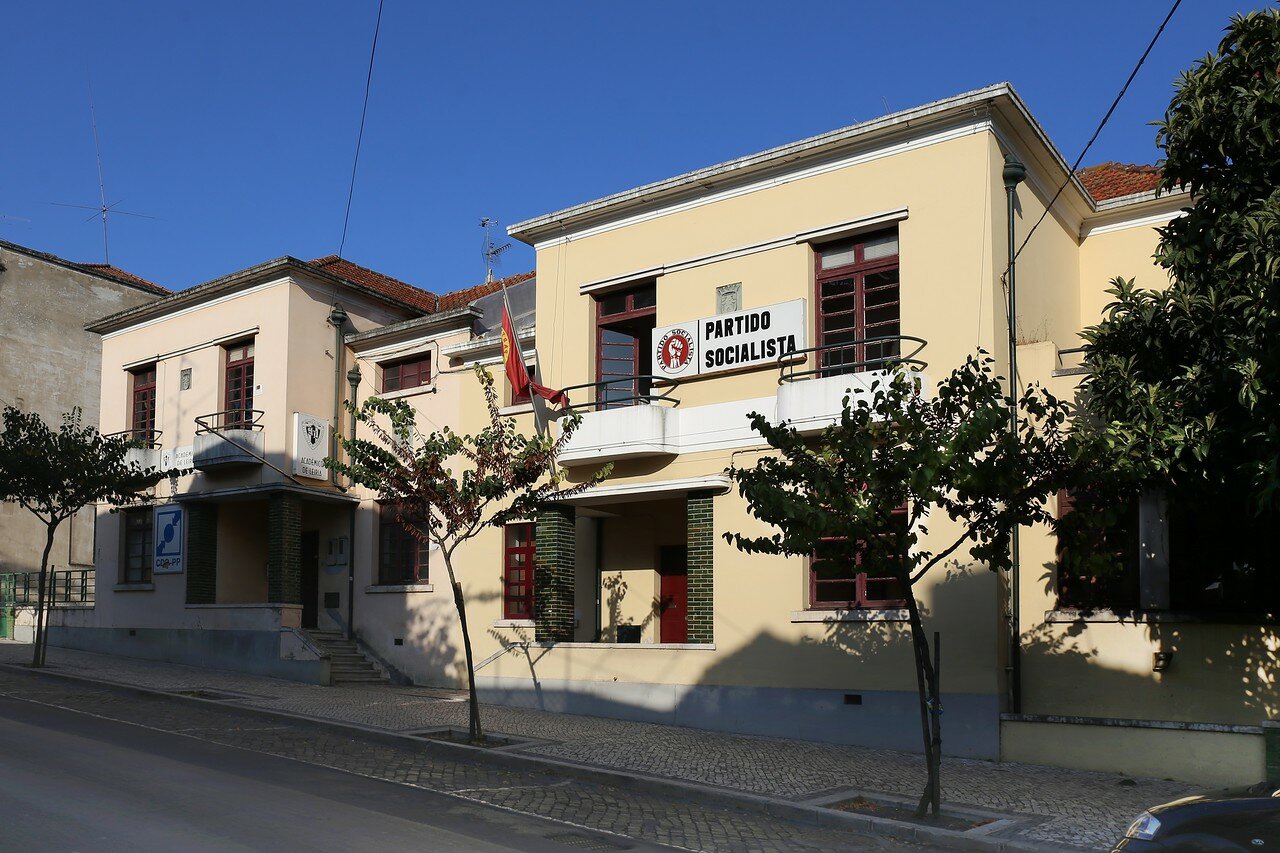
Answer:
(347, 665)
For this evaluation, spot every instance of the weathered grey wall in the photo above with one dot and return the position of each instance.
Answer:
(49, 364)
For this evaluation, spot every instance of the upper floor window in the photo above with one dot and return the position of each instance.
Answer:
(402, 556)
(142, 417)
(412, 372)
(625, 320)
(838, 583)
(239, 385)
(858, 303)
(525, 396)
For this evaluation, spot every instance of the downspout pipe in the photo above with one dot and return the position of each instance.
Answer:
(338, 319)
(1014, 174)
(353, 379)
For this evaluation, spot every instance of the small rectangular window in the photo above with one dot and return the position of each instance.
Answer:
(858, 301)
(139, 546)
(411, 372)
(517, 570)
(402, 556)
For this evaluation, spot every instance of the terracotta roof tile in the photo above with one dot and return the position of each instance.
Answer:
(117, 273)
(459, 298)
(417, 297)
(1114, 180)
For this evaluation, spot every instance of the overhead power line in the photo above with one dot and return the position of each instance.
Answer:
(1101, 125)
(364, 110)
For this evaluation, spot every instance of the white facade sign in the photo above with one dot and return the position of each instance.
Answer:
(310, 446)
(181, 458)
(169, 536)
(755, 337)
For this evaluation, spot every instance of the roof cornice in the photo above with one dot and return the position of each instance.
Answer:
(408, 329)
(1000, 101)
(228, 284)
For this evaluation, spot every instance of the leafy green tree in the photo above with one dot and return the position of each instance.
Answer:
(54, 473)
(837, 496)
(504, 475)
(1183, 393)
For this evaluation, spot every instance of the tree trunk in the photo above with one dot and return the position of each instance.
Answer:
(930, 725)
(475, 733)
(37, 654)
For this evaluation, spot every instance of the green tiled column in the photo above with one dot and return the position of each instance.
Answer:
(555, 563)
(701, 544)
(202, 553)
(284, 549)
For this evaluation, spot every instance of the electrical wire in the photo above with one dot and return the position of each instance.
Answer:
(364, 110)
(1101, 125)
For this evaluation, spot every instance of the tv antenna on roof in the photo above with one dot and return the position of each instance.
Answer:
(101, 209)
(489, 251)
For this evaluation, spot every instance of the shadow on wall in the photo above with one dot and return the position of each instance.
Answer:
(1212, 670)
(615, 588)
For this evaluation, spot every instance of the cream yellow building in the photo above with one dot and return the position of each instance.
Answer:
(769, 284)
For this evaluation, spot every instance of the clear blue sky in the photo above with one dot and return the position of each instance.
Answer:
(234, 122)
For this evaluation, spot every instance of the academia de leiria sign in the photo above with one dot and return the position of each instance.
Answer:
(751, 338)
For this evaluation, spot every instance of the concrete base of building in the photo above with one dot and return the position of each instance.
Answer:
(1214, 756)
(883, 719)
(251, 652)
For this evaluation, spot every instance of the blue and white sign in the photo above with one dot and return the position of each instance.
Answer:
(168, 530)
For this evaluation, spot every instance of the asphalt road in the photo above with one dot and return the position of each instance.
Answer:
(70, 781)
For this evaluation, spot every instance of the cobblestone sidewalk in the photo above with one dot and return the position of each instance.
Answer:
(1066, 808)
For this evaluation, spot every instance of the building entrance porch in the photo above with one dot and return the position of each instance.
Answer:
(275, 549)
(627, 569)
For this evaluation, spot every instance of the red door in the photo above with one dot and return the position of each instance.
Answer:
(673, 619)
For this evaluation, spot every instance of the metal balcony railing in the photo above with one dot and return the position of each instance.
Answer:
(66, 588)
(857, 356)
(625, 391)
(230, 419)
(146, 439)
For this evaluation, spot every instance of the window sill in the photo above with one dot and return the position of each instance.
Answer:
(893, 614)
(409, 392)
(400, 587)
(1147, 617)
(134, 587)
(516, 409)
(514, 623)
(576, 645)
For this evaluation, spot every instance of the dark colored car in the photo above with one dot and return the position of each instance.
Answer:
(1237, 819)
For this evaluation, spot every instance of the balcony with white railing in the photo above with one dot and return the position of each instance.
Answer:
(811, 390)
(626, 418)
(228, 439)
(144, 446)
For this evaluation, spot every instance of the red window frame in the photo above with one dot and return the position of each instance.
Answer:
(625, 314)
(238, 393)
(851, 304)
(870, 591)
(143, 412)
(402, 557)
(138, 545)
(412, 372)
(519, 550)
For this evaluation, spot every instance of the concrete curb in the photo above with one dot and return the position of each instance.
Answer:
(796, 812)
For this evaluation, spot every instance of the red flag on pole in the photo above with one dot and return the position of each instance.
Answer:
(517, 373)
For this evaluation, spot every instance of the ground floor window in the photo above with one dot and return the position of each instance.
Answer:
(838, 582)
(138, 546)
(517, 571)
(402, 555)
